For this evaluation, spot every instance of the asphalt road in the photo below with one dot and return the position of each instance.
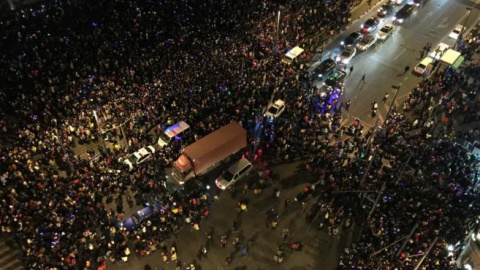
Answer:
(320, 251)
(384, 63)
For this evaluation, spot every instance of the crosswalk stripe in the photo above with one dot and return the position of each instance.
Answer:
(12, 265)
(8, 257)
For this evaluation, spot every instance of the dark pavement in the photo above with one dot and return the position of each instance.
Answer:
(321, 251)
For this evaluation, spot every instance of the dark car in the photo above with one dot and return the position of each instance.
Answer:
(370, 25)
(352, 39)
(336, 79)
(324, 69)
(385, 10)
(404, 13)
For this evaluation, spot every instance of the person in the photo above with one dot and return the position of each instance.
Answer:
(347, 105)
(351, 69)
(407, 68)
(276, 193)
(235, 225)
(244, 251)
(285, 233)
(385, 97)
(223, 241)
(228, 260)
(363, 78)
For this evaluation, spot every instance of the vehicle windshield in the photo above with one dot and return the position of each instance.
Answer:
(272, 110)
(164, 137)
(133, 159)
(421, 66)
(227, 176)
(354, 35)
(331, 81)
(346, 53)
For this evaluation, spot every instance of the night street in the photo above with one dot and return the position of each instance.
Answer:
(244, 135)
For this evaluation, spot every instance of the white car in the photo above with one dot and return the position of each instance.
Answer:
(422, 66)
(346, 55)
(139, 157)
(234, 173)
(385, 32)
(275, 109)
(456, 31)
(366, 42)
(438, 51)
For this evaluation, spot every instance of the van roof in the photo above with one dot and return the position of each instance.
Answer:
(176, 129)
(293, 53)
(238, 165)
(450, 56)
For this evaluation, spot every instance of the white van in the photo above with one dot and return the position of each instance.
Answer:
(234, 173)
(171, 132)
(291, 55)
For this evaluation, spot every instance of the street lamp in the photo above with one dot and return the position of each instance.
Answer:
(278, 27)
(10, 3)
(460, 36)
(99, 130)
(397, 88)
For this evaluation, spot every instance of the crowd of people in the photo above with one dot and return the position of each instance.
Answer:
(428, 203)
(79, 70)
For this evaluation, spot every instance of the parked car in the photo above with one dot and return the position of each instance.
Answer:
(347, 54)
(140, 156)
(385, 32)
(366, 42)
(438, 52)
(234, 173)
(275, 109)
(336, 80)
(370, 25)
(422, 66)
(352, 39)
(324, 69)
(456, 31)
(385, 10)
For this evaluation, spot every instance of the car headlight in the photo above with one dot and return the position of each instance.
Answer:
(361, 26)
(342, 43)
(320, 75)
(400, 20)
(346, 60)
(394, 18)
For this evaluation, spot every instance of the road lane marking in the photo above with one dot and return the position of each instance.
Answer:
(399, 54)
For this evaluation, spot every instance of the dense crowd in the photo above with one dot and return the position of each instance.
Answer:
(78, 70)
(429, 201)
